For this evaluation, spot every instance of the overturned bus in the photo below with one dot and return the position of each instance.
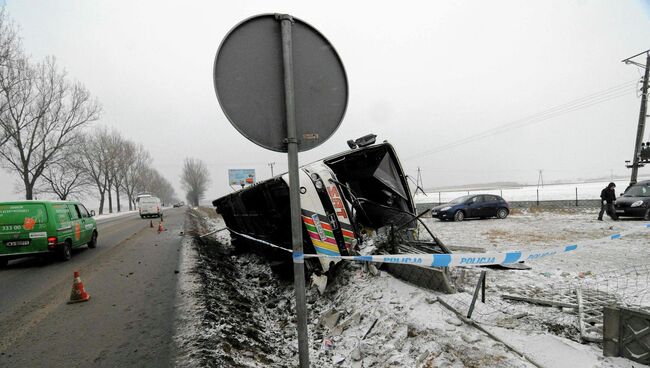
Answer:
(354, 202)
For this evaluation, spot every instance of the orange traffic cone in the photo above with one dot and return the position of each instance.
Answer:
(78, 294)
(150, 223)
(160, 227)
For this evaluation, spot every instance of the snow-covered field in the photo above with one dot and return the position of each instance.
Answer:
(549, 192)
(375, 320)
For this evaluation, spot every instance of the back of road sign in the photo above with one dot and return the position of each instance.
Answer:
(249, 82)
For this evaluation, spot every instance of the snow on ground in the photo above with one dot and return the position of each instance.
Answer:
(535, 230)
(548, 192)
(119, 214)
(187, 324)
(368, 320)
(106, 216)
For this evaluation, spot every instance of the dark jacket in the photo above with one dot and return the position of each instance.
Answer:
(608, 194)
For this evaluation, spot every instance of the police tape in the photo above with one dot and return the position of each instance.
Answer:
(455, 259)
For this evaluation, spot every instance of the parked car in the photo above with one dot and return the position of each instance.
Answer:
(43, 227)
(150, 207)
(475, 205)
(635, 201)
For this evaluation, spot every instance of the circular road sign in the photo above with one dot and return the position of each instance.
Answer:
(249, 82)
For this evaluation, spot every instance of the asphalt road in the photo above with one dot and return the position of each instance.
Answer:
(129, 321)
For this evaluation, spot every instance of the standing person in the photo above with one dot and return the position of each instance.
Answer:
(608, 196)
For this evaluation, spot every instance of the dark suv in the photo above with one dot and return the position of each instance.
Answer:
(635, 202)
(475, 205)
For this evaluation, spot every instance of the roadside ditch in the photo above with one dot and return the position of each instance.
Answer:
(239, 313)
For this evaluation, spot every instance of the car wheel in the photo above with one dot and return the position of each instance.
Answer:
(93, 240)
(647, 215)
(65, 251)
(459, 215)
(502, 213)
(3, 262)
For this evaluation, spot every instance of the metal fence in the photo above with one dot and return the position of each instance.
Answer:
(627, 334)
(542, 204)
(573, 309)
(547, 197)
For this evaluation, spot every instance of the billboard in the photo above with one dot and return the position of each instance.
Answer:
(241, 176)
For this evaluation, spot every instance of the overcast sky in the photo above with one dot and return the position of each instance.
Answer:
(421, 76)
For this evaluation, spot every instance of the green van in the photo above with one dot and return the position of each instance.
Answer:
(42, 227)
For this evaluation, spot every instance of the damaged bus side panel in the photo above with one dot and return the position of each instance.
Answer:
(356, 202)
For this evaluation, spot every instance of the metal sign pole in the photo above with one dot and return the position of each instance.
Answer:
(294, 191)
(248, 80)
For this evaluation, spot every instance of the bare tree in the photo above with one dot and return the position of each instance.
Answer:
(9, 41)
(68, 176)
(93, 161)
(124, 159)
(195, 180)
(42, 113)
(115, 162)
(150, 181)
(10, 53)
(134, 170)
(163, 188)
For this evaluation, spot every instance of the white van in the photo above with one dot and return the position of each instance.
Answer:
(150, 207)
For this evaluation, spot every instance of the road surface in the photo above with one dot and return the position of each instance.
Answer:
(129, 321)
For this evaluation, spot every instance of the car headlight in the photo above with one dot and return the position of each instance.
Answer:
(637, 204)
(445, 208)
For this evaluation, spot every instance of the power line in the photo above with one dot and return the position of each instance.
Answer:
(535, 118)
(504, 129)
(571, 106)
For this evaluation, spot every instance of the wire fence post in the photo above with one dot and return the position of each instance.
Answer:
(483, 288)
(576, 196)
(479, 285)
(439, 196)
(538, 197)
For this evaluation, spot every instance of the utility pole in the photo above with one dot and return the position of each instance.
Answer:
(418, 183)
(642, 114)
(540, 179)
(271, 166)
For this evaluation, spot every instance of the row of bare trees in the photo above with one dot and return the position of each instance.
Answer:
(104, 162)
(40, 110)
(46, 140)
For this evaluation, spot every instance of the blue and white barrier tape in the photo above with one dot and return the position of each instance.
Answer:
(455, 259)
